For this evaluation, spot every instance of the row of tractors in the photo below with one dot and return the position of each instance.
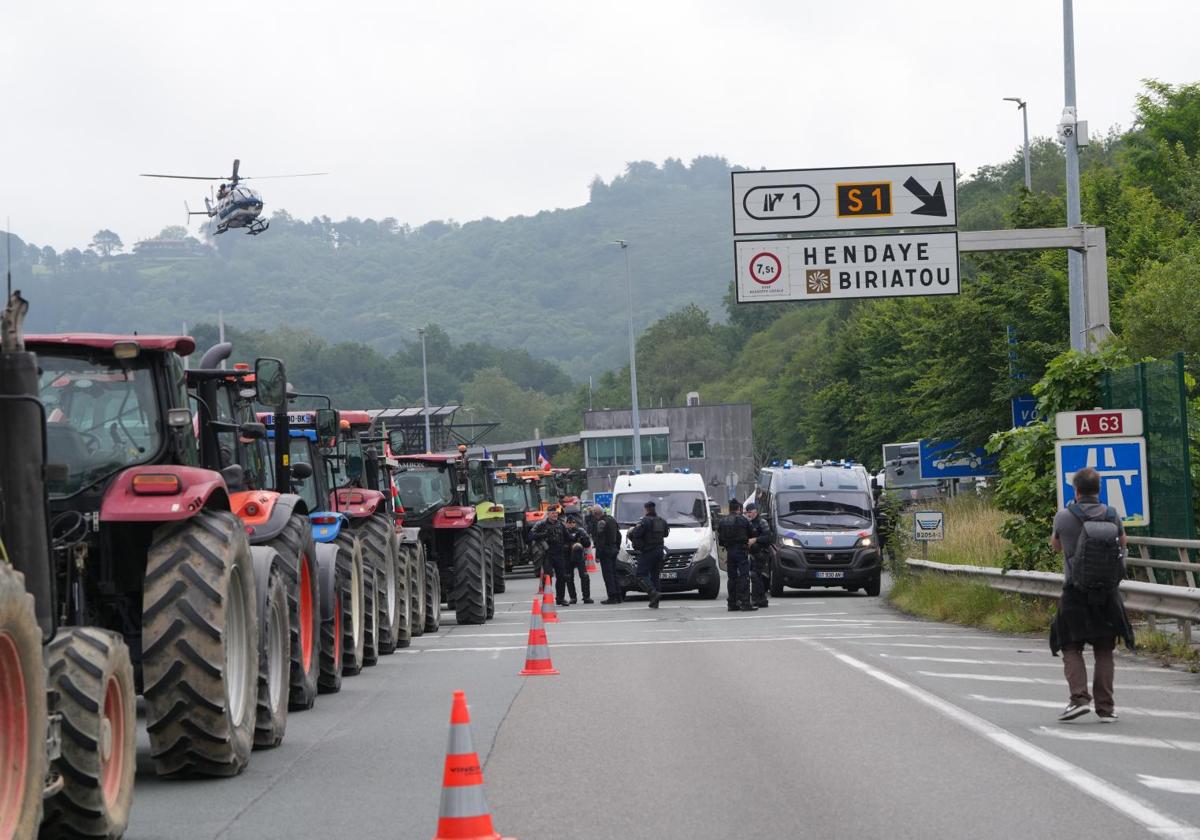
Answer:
(193, 536)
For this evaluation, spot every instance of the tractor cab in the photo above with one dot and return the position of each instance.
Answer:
(312, 461)
(519, 496)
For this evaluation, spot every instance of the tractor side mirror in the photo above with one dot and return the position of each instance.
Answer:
(257, 431)
(328, 424)
(395, 440)
(302, 470)
(270, 382)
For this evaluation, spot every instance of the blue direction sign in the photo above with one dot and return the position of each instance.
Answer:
(1121, 462)
(948, 459)
(1024, 411)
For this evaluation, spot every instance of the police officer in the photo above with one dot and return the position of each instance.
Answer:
(760, 555)
(606, 536)
(648, 537)
(578, 540)
(736, 535)
(554, 534)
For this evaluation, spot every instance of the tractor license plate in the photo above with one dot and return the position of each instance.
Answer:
(669, 575)
(831, 574)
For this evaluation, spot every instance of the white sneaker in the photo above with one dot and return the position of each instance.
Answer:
(1111, 718)
(1075, 710)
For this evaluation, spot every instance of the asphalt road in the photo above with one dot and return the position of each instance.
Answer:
(827, 715)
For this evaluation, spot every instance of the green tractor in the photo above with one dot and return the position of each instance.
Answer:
(450, 500)
(522, 507)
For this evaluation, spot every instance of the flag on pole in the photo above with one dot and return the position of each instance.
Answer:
(543, 458)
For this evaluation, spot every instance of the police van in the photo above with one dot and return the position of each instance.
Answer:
(826, 526)
(682, 500)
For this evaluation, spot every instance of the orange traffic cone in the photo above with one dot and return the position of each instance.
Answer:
(591, 562)
(464, 812)
(537, 656)
(549, 611)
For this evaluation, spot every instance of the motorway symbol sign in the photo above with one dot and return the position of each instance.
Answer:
(929, 525)
(1024, 411)
(1116, 422)
(1121, 462)
(947, 459)
(872, 266)
(851, 198)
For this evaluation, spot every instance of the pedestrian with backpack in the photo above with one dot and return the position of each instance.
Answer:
(1090, 612)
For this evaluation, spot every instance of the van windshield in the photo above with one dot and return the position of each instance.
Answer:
(824, 511)
(684, 508)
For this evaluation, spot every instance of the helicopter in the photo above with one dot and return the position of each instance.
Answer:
(236, 206)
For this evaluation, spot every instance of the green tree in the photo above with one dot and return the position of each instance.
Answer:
(105, 243)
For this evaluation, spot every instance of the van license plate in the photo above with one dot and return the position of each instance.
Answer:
(669, 575)
(831, 574)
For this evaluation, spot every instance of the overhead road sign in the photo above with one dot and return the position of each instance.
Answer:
(852, 198)
(1114, 422)
(947, 459)
(1121, 462)
(871, 266)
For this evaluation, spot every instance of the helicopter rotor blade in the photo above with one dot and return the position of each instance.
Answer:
(184, 177)
(236, 164)
(296, 175)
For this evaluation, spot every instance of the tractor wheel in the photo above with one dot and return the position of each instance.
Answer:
(391, 607)
(92, 675)
(354, 611)
(372, 594)
(496, 538)
(22, 709)
(200, 646)
(334, 590)
(414, 560)
(433, 599)
(489, 592)
(537, 556)
(274, 648)
(295, 545)
(471, 563)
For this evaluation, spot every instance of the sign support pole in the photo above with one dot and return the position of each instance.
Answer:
(1075, 260)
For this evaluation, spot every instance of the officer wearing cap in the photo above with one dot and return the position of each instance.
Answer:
(648, 538)
(578, 539)
(760, 555)
(736, 535)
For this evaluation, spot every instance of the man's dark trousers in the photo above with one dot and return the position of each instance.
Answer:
(760, 577)
(559, 562)
(649, 567)
(608, 569)
(575, 562)
(737, 564)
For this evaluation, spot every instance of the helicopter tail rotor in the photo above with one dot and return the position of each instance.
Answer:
(234, 179)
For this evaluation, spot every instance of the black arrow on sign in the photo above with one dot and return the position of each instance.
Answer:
(931, 205)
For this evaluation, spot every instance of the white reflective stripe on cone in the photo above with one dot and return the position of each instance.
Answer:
(467, 801)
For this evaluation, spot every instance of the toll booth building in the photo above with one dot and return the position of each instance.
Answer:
(715, 441)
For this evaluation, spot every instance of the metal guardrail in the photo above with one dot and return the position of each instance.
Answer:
(1184, 549)
(1152, 599)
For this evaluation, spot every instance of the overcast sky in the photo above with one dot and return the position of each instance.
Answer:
(435, 109)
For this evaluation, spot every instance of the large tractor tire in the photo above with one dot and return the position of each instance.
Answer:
(354, 611)
(274, 648)
(471, 562)
(92, 675)
(22, 709)
(489, 590)
(495, 538)
(433, 598)
(200, 646)
(392, 609)
(414, 560)
(295, 544)
(334, 592)
(372, 593)
(537, 556)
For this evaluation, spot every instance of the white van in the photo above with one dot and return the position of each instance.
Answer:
(682, 500)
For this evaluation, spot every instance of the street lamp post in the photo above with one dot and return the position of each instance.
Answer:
(425, 381)
(1025, 123)
(637, 426)
(1069, 128)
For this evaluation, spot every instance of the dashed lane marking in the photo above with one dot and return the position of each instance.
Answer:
(1053, 704)
(1144, 813)
(1188, 786)
(1067, 734)
(1166, 689)
(951, 647)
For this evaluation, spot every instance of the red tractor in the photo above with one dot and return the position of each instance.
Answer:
(67, 695)
(145, 545)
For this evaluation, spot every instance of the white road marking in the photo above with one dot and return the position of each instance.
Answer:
(1166, 689)
(1117, 740)
(946, 647)
(1009, 662)
(1144, 813)
(1052, 704)
(1188, 786)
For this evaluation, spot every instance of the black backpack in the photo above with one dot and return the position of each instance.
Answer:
(1096, 562)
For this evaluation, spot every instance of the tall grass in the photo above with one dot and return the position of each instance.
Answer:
(950, 598)
(972, 532)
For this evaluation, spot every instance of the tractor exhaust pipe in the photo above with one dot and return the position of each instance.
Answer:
(215, 355)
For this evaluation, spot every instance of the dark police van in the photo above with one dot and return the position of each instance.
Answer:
(826, 525)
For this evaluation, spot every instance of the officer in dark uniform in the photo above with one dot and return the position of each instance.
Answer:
(760, 555)
(578, 540)
(648, 537)
(736, 535)
(554, 534)
(606, 536)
